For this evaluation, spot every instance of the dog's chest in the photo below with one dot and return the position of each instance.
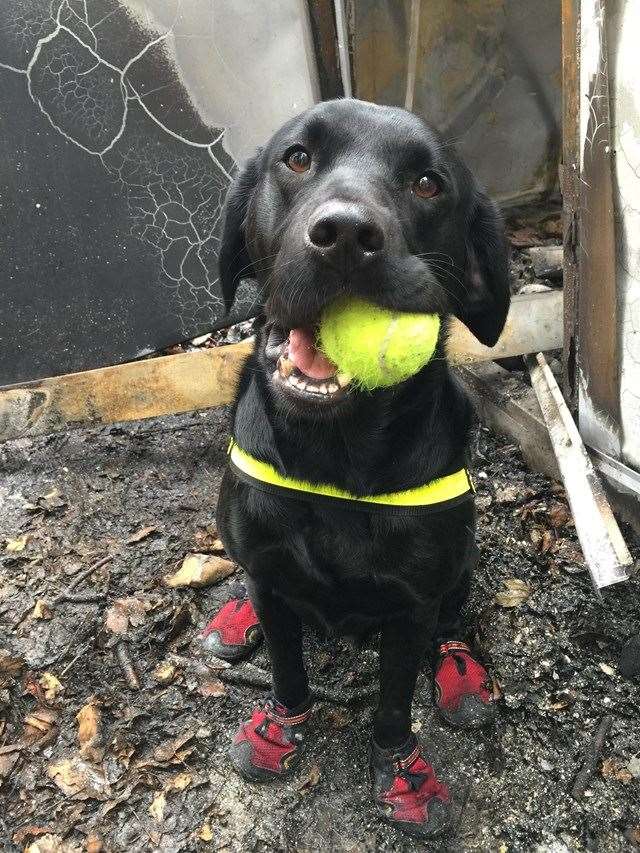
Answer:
(341, 568)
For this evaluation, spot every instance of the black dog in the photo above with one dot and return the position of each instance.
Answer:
(354, 198)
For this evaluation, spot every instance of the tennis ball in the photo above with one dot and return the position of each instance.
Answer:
(375, 346)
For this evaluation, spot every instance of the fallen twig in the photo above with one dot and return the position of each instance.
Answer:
(89, 598)
(64, 596)
(126, 665)
(590, 765)
(252, 676)
(71, 663)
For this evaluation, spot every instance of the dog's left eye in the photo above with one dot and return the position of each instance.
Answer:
(427, 186)
(298, 159)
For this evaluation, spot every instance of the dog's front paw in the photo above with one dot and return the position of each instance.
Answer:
(270, 744)
(407, 791)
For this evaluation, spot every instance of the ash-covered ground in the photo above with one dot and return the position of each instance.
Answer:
(145, 769)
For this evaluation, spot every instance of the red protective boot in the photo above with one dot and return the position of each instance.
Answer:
(234, 632)
(269, 745)
(462, 687)
(407, 791)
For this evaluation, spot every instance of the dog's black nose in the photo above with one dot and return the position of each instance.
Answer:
(344, 234)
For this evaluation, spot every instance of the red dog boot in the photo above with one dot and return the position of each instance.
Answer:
(269, 745)
(407, 791)
(234, 632)
(462, 687)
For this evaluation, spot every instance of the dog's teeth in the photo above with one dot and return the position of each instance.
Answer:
(333, 388)
(343, 379)
(302, 385)
(322, 388)
(285, 366)
(293, 380)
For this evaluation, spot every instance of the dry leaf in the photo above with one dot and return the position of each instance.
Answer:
(50, 843)
(8, 762)
(10, 666)
(168, 750)
(608, 670)
(199, 570)
(78, 779)
(559, 515)
(517, 592)
(207, 540)
(31, 831)
(141, 534)
(126, 611)
(416, 725)
(165, 672)
(41, 610)
(158, 805)
(88, 718)
(560, 701)
(212, 688)
(311, 780)
(547, 541)
(612, 770)
(496, 689)
(205, 832)
(50, 685)
(15, 546)
(89, 736)
(38, 724)
(94, 843)
(181, 781)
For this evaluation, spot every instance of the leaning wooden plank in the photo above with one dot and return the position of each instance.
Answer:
(200, 380)
(141, 389)
(534, 324)
(605, 552)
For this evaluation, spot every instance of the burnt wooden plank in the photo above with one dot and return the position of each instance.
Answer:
(140, 389)
(325, 43)
(570, 185)
(201, 380)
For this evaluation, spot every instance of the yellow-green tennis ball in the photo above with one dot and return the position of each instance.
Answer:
(375, 346)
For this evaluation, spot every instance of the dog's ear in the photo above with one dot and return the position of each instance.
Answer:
(234, 260)
(487, 297)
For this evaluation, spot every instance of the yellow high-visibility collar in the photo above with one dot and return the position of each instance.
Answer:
(450, 489)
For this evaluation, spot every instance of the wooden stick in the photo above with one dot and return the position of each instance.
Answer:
(250, 675)
(590, 766)
(605, 551)
(126, 665)
(79, 578)
(183, 383)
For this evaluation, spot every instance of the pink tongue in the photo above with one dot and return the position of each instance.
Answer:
(305, 356)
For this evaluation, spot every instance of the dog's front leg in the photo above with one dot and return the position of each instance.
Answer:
(405, 787)
(269, 745)
(403, 647)
(283, 632)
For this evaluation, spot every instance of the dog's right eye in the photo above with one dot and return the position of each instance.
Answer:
(298, 159)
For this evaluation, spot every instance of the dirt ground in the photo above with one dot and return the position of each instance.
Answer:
(145, 769)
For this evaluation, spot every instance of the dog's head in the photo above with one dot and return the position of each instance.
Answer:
(358, 199)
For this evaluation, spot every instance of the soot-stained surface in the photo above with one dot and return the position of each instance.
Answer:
(146, 769)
